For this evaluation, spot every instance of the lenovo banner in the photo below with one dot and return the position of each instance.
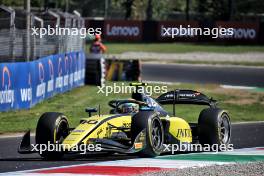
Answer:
(24, 84)
(176, 30)
(120, 30)
(242, 32)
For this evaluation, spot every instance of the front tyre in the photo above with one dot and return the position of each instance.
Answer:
(154, 132)
(52, 128)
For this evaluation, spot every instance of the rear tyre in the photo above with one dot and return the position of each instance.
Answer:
(214, 127)
(52, 128)
(154, 132)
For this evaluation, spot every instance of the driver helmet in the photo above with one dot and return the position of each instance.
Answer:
(129, 108)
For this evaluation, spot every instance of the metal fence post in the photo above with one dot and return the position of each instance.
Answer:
(12, 36)
(26, 44)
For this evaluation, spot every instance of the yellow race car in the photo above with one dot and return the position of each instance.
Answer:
(139, 125)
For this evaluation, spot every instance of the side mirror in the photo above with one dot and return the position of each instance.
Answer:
(90, 111)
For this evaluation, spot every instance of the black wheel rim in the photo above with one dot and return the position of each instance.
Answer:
(224, 129)
(156, 134)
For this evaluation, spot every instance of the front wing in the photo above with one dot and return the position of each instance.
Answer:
(106, 145)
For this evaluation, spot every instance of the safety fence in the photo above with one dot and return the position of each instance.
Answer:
(18, 44)
(24, 84)
(12, 45)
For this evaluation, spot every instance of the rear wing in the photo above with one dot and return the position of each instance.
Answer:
(185, 97)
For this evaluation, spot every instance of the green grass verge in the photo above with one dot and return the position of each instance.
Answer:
(118, 48)
(240, 63)
(242, 106)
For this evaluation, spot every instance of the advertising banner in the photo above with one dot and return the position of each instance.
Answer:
(242, 32)
(121, 30)
(26, 83)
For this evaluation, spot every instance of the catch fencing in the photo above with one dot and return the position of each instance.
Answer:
(18, 44)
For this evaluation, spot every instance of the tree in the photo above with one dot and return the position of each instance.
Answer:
(187, 10)
(88, 7)
(202, 6)
(128, 4)
(219, 10)
(249, 6)
(149, 10)
(12, 2)
(213, 9)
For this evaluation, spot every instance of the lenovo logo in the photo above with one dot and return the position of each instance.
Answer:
(245, 33)
(122, 30)
(242, 33)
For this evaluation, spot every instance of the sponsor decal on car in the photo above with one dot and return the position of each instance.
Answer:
(138, 145)
(78, 131)
(184, 133)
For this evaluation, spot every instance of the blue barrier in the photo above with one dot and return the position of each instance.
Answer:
(25, 84)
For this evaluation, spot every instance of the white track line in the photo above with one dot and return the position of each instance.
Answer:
(237, 87)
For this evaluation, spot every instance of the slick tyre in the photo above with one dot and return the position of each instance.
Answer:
(151, 122)
(52, 128)
(214, 128)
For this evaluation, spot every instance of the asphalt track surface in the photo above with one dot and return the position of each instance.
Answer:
(11, 160)
(229, 75)
(243, 135)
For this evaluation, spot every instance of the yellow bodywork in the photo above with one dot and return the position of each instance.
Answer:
(180, 129)
(96, 127)
(102, 127)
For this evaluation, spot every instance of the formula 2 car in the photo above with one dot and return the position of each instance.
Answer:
(143, 131)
